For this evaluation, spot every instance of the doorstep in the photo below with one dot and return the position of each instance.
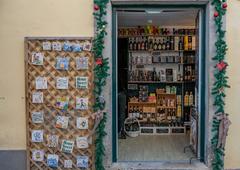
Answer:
(196, 165)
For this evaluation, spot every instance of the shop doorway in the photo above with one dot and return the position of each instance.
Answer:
(158, 67)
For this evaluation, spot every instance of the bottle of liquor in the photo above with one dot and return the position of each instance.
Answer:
(155, 46)
(179, 111)
(164, 45)
(185, 42)
(171, 43)
(180, 44)
(193, 43)
(189, 42)
(191, 99)
(168, 44)
(146, 43)
(176, 41)
(135, 44)
(130, 44)
(160, 44)
(185, 73)
(186, 99)
(139, 44)
(151, 44)
(143, 44)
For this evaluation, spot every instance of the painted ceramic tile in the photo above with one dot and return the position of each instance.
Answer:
(38, 155)
(37, 97)
(52, 141)
(82, 161)
(41, 83)
(62, 122)
(87, 46)
(82, 82)
(62, 83)
(82, 63)
(68, 163)
(37, 117)
(76, 47)
(52, 160)
(37, 135)
(82, 142)
(62, 103)
(62, 63)
(47, 45)
(56, 46)
(67, 46)
(67, 146)
(81, 103)
(37, 58)
(82, 123)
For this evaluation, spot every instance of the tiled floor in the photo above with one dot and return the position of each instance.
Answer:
(154, 148)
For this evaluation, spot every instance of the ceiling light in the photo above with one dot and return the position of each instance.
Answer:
(153, 11)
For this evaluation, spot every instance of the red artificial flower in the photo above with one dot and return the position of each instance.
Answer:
(221, 65)
(96, 7)
(224, 5)
(216, 14)
(99, 61)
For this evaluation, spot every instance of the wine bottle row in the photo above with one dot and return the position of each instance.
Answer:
(154, 30)
(162, 43)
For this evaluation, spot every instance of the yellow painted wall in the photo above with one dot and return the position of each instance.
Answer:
(233, 94)
(19, 19)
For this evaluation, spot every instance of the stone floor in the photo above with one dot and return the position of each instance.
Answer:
(154, 148)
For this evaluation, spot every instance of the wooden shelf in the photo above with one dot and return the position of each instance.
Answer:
(170, 35)
(137, 51)
(166, 107)
(154, 82)
(142, 103)
(157, 82)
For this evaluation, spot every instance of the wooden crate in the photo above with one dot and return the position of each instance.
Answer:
(49, 103)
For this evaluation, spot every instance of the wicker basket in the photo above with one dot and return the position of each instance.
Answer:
(131, 120)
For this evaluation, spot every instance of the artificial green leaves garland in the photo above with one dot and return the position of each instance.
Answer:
(100, 76)
(218, 90)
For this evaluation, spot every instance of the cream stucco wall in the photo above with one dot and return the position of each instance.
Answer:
(23, 18)
(233, 94)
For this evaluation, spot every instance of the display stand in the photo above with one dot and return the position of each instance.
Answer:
(51, 94)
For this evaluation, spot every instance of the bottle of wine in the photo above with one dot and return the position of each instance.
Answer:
(189, 42)
(180, 44)
(186, 42)
(135, 44)
(160, 44)
(164, 45)
(130, 44)
(176, 41)
(151, 44)
(139, 44)
(171, 43)
(143, 44)
(168, 44)
(191, 99)
(155, 46)
(146, 43)
(186, 99)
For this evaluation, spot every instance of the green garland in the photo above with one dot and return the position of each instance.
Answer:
(220, 81)
(100, 76)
